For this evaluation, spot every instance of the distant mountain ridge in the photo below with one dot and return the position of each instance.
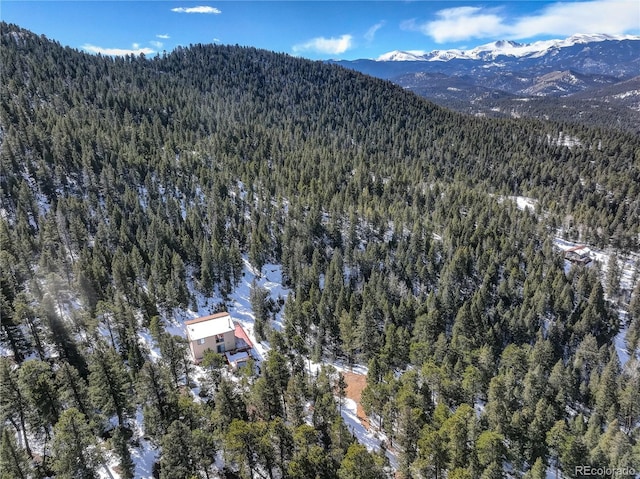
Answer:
(493, 50)
(471, 80)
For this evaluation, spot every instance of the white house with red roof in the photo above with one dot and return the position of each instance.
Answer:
(219, 333)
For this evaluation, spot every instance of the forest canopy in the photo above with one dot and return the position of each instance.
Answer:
(131, 187)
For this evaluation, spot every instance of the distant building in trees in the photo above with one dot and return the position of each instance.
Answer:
(578, 254)
(219, 333)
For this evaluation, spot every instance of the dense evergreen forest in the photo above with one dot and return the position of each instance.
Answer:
(130, 187)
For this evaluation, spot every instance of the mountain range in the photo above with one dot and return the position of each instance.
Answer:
(590, 78)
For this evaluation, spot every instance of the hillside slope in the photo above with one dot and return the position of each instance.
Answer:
(545, 79)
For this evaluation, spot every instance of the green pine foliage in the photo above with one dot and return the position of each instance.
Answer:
(14, 462)
(75, 449)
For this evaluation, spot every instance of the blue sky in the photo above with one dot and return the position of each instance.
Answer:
(315, 29)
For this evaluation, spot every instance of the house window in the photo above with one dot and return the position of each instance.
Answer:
(221, 348)
(220, 338)
(200, 341)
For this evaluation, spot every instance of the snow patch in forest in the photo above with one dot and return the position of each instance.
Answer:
(524, 202)
(350, 416)
(240, 309)
(148, 342)
(619, 341)
(478, 407)
(564, 140)
(145, 455)
(368, 438)
(107, 470)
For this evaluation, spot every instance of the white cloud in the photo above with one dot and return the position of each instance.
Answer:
(116, 51)
(599, 16)
(596, 16)
(334, 46)
(135, 46)
(163, 36)
(460, 23)
(371, 33)
(156, 44)
(200, 9)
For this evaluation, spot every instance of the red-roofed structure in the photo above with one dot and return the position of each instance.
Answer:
(578, 254)
(217, 332)
(243, 343)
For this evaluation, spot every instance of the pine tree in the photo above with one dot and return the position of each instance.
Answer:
(538, 471)
(109, 384)
(75, 450)
(556, 438)
(241, 442)
(309, 458)
(177, 461)
(207, 281)
(175, 356)
(348, 335)
(358, 463)
(121, 448)
(432, 453)
(228, 405)
(73, 388)
(607, 395)
(614, 272)
(295, 399)
(490, 448)
(155, 391)
(407, 430)
(203, 447)
(630, 401)
(14, 462)
(27, 317)
(10, 332)
(37, 382)
(14, 405)
(259, 299)
(458, 430)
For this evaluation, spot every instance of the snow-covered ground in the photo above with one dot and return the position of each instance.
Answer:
(368, 438)
(145, 455)
(523, 202)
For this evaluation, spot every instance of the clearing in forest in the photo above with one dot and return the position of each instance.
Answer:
(355, 384)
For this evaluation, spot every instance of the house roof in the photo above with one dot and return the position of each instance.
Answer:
(208, 326)
(242, 340)
(236, 357)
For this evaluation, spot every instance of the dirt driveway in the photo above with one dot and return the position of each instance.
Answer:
(355, 384)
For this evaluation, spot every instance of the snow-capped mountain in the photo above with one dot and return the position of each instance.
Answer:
(400, 56)
(493, 50)
(507, 78)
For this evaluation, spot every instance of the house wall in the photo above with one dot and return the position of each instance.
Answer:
(229, 341)
(197, 350)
